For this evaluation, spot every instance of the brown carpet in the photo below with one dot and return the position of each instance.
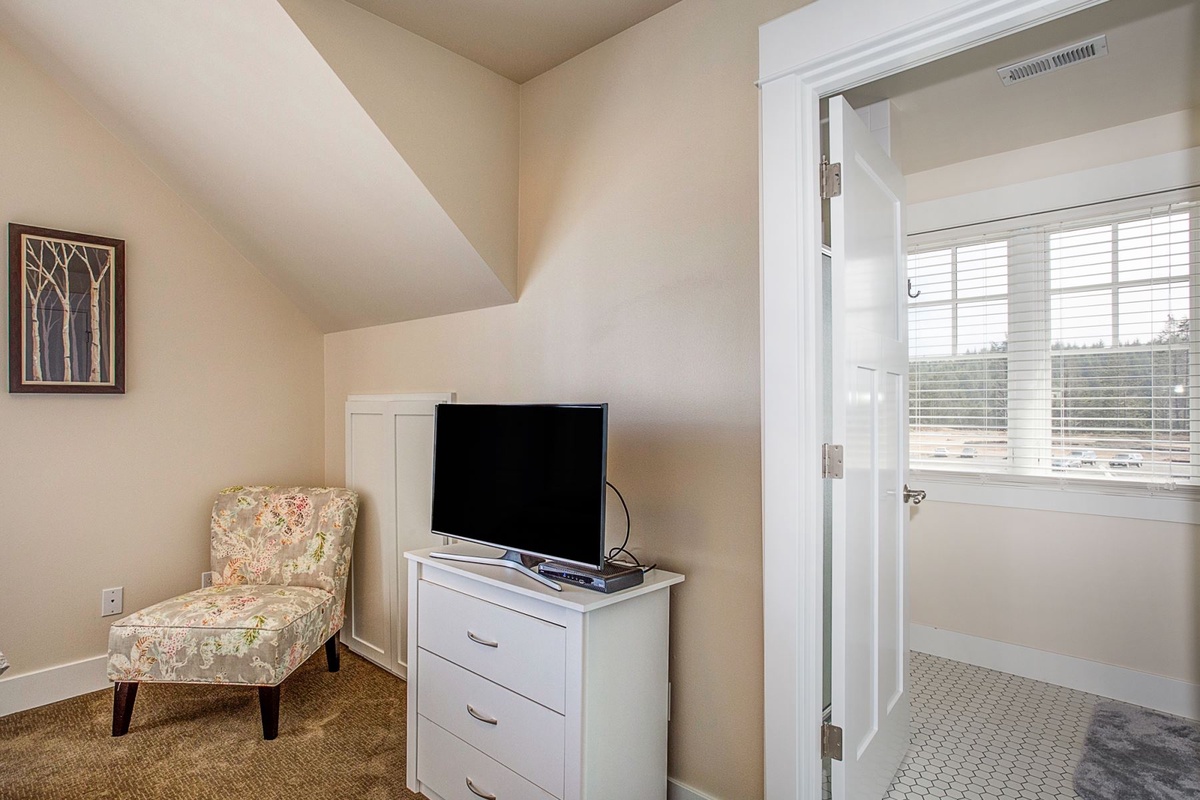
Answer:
(340, 735)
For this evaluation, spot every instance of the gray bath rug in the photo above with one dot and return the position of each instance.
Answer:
(1132, 753)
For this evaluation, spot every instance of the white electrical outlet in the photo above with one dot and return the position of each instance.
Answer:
(205, 580)
(111, 601)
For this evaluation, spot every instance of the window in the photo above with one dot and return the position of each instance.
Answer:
(1059, 350)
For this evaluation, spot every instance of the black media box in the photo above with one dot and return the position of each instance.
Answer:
(613, 578)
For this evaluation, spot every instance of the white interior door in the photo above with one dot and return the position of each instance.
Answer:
(869, 648)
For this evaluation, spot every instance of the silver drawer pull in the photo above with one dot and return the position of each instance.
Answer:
(481, 717)
(484, 642)
(478, 793)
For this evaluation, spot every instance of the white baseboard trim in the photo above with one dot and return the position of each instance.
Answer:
(1118, 683)
(33, 689)
(681, 791)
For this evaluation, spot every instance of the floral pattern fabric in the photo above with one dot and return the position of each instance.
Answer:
(245, 634)
(288, 537)
(280, 559)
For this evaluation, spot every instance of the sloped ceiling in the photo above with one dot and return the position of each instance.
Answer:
(455, 123)
(231, 104)
(519, 39)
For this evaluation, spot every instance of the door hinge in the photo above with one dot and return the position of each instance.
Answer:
(831, 742)
(831, 179)
(831, 461)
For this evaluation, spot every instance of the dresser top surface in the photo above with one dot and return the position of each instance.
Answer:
(572, 597)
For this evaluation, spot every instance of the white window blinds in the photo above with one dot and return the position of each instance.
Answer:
(1059, 350)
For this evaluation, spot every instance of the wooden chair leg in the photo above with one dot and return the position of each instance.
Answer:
(331, 654)
(268, 703)
(123, 696)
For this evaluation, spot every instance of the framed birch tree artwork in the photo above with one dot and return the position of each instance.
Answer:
(66, 323)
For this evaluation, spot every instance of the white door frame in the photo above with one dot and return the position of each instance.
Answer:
(821, 49)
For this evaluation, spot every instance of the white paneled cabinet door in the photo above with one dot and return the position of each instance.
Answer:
(869, 699)
(368, 629)
(389, 462)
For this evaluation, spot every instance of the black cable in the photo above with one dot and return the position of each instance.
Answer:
(616, 551)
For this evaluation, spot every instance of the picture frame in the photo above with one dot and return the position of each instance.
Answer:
(66, 313)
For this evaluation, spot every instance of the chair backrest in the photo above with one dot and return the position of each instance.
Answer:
(284, 536)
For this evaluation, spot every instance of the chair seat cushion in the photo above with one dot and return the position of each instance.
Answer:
(247, 634)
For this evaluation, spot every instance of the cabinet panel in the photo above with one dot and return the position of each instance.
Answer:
(524, 736)
(389, 462)
(413, 430)
(526, 654)
(369, 618)
(446, 764)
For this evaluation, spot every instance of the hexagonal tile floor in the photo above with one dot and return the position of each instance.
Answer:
(978, 734)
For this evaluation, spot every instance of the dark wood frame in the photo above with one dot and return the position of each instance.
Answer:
(16, 312)
(125, 693)
(268, 706)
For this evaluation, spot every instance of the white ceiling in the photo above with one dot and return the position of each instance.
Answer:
(232, 105)
(519, 39)
(956, 109)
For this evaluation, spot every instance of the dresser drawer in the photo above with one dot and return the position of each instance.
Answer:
(520, 734)
(451, 767)
(517, 651)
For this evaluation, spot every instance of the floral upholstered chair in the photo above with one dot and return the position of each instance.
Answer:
(280, 559)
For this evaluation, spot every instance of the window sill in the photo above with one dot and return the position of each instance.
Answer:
(1106, 499)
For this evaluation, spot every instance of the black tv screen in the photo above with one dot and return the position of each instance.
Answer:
(529, 478)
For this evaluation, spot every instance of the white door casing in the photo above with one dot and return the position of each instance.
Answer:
(816, 51)
(869, 415)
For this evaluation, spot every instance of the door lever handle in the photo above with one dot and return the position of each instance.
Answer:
(915, 496)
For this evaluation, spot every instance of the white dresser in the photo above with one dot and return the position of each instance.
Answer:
(518, 692)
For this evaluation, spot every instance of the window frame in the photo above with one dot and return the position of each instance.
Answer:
(1112, 189)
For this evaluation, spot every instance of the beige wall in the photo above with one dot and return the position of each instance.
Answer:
(1119, 591)
(639, 268)
(454, 122)
(223, 386)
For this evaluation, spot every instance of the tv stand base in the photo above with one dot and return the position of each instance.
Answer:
(511, 560)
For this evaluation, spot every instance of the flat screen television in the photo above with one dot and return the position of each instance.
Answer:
(528, 479)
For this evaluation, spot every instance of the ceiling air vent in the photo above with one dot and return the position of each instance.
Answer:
(1063, 57)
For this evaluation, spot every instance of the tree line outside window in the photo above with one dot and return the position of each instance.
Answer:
(1059, 350)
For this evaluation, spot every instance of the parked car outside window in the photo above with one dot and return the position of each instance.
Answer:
(968, 452)
(941, 452)
(1126, 460)
(1085, 456)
